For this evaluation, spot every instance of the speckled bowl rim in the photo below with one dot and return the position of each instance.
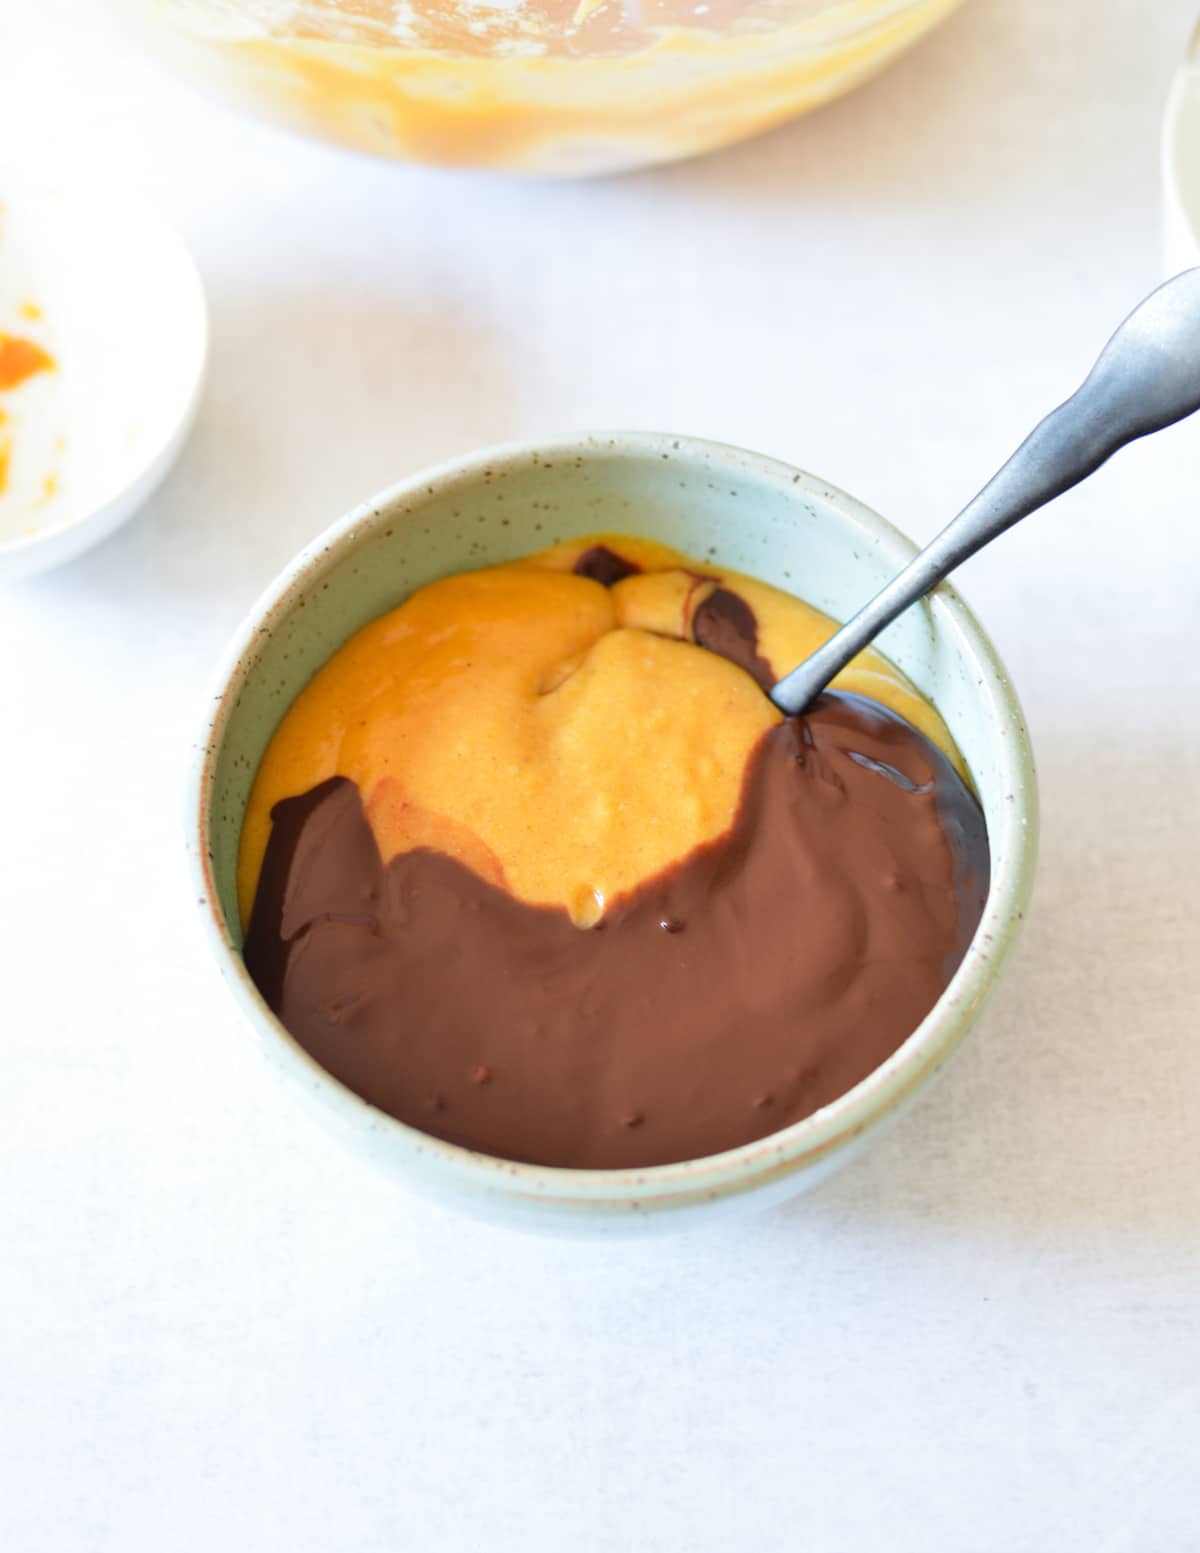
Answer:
(796, 1148)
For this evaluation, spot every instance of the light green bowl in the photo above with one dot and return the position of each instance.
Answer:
(739, 509)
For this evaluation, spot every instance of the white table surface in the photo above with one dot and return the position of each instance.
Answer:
(216, 1333)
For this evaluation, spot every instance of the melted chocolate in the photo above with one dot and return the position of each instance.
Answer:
(604, 566)
(735, 993)
(726, 625)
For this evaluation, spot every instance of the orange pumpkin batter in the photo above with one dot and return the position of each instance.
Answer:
(561, 738)
(20, 359)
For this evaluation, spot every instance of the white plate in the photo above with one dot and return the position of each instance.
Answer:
(1181, 165)
(100, 282)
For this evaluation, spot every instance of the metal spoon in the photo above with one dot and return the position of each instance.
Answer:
(1147, 377)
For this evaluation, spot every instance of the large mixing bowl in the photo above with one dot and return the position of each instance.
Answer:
(541, 86)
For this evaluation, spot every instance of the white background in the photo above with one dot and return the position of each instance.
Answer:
(216, 1333)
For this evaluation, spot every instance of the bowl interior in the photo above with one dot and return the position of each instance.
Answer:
(713, 502)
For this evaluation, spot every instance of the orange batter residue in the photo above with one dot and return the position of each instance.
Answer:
(560, 738)
(21, 359)
(544, 88)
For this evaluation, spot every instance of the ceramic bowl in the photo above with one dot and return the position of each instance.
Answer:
(746, 512)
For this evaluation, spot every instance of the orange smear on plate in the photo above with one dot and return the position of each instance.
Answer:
(21, 359)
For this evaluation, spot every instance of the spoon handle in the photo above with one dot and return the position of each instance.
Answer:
(1146, 378)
